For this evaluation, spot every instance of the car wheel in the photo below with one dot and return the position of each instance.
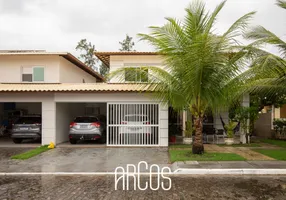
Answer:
(17, 140)
(72, 141)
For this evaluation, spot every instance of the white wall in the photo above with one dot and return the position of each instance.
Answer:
(48, 120)
(70, 73)
(164, 125)
(11, 67)
(119, 61)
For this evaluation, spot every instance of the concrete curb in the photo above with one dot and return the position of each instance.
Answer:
(230, 171)
(180, 171)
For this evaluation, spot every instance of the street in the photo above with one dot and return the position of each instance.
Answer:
(102, 187)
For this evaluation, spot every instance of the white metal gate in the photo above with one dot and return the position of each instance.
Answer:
(132, 124)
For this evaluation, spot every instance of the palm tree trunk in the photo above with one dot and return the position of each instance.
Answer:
(198, 147)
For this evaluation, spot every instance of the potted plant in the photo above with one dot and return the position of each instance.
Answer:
(188, 133)
(230, 132)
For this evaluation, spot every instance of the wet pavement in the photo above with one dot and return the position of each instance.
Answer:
(81, 159)
(183, 187)
(6, 153)
(6, 142)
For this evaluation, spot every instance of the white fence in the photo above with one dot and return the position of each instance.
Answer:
(132, 124)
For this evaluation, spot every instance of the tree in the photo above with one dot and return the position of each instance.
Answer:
(269, 68)
(103, 69)
(201, 66)
(89, 58)
(127, 44)
(281, 3)
(87, 54)
(247, 117)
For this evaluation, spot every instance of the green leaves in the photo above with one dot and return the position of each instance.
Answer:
(281, 3)
(127, 44)
(200, 68)
(268, 70)
(87, 54)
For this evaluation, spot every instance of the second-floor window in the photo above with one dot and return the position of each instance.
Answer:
(136, 74)
(33, 74)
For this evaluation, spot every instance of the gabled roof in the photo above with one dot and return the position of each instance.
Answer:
(105, 56)
(73, 87)
(68, 56)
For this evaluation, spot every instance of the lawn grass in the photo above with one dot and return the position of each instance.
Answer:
(241, 145)
(185, 155)
(31, 153)
(278, 154)
(280, 143)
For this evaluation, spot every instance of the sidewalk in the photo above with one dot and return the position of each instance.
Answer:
(230, 167)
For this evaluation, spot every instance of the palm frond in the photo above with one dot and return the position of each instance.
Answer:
(200, 67)
(281, 3)
(239, 26)
(264, 36)
(213, 17)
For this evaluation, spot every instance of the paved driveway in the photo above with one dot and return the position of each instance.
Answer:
(85, 159)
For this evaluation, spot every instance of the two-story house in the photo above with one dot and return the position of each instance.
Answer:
(60, 87)
(176, 120)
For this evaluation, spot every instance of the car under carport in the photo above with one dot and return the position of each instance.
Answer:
(11, 112)
(60, 103)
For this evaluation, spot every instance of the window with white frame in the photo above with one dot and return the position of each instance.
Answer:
(136, 74)
(33, 74)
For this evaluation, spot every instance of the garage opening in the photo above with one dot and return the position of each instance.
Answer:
(133, 124)
(81, 123)
(20, 122)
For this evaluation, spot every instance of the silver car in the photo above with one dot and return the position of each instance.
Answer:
(27, 127)
(87, 128)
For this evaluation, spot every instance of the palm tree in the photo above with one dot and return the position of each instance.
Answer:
(200, 65)
(269, 68)
(281, 3)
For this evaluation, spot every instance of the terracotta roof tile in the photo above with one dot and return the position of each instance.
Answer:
(104, 56)
(72, 87)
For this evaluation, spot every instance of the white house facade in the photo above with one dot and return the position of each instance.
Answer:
(61, 87)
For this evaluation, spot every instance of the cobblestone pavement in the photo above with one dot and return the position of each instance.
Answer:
(245, 152)
(82, 159)
(102, 187)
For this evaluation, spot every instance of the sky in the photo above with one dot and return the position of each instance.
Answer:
(57, 25)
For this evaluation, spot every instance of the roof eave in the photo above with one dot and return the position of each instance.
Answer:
(83, 66)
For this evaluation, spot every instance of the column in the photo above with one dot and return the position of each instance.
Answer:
(164, 124)
(184, 119)
(48, 121)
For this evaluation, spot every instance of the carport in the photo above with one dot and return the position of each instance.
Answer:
(10, 113)
(133, 117)
(127, 124)
(66, 112)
